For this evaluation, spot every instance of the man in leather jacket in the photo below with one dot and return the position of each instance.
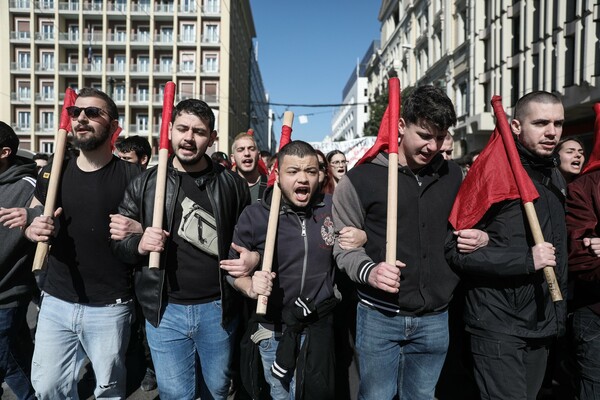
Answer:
(509, 314)
(188, 306)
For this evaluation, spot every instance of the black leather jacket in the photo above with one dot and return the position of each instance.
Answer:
(228, 194)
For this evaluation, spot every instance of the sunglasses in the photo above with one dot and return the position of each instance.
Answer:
(90, 112)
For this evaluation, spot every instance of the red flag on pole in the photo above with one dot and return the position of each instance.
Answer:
(286, 137)
(594, 161)
(65, 120)
(383, 136)
(496, 175)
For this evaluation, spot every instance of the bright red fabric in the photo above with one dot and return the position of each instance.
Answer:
(594, 161)
(286, 137)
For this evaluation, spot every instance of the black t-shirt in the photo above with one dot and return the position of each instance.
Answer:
(81, 265)
(192, 274)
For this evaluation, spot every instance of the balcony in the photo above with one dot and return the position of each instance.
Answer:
(140, 38)
(210, 69)
(89, 6)
(187, 9)
(211, 10)
(188, 38)
(22, 96)
(119, 37)
(162, 39)
(116, 67)
(68, 67)
(44, 67)
(65, 6)
(139, 98)
(140, 8)
(116, 8)
(23, 5)
(91, 68)
(44, 36)
(44, 127)
(44, 97)
(44, 6)
(210, 39)
(25, 128)
(139, 68)
(162, 69)
(20, 66)
(164, 8)
(20, 36)
(186, 69)
(68, 37)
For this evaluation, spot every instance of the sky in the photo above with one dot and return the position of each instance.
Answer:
(307, 51)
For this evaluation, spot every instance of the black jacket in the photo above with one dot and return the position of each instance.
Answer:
(17, 184)
(504, 294)
(228, 194)
(424, 203)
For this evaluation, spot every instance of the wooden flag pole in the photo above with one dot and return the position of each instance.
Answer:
(392, 197)
(161, 169)
(261, 305)
(41, 251)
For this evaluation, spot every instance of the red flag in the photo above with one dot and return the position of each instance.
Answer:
(114, 137)
(286, 137)
(594, 161)
(65, 120)
(496, 175)
(385, 129)
(167, 113)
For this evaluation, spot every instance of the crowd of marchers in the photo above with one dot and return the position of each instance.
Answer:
(472, 303)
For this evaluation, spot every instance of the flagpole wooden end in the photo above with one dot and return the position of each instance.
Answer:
(288, 118)
(392, 210)
(553, 287)
(159, 201)
(41, 251)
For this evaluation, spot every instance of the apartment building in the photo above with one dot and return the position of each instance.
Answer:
(477, 49)
(129, 49)
(349, 120)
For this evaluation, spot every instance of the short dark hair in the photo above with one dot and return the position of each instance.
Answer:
(539, 96)
(562, 142)
(113, 111)
(431, 104)
(333, 153)
(296, 148)
(40, 156)
(138, 144)
(197, 108)
(8, 138)
(265, 153)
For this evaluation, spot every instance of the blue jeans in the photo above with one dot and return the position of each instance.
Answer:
(586, 338)
(399, 355)
(280, 390)
(15, 365)
(66, 333)
(183, 332)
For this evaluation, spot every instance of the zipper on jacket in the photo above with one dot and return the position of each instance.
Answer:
(303, 225)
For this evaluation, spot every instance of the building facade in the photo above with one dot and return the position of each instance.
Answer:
(477, 49)
(349, 120)
(259, 104)
(129, 49)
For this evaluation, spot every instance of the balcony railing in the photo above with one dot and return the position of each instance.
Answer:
(44, 67)
(20, 35)
(210, 69)
(89, 6)
(116, 7)
(20, 66)
(188, 69)
(69, 5)
(118, 67)
(21, 127)
(44, 5)
(119, 37)
(213, 9)
(139, 97)
(20, 96)
(91, 67)
(44, 36)
(163, 39)
(44, 127)
(20, 4)
(164, 8)
(70, 36)
(68, 67)
(139, 68)
(210, 39)
(162, 68)
(46, 97)
(140, 37)
(187, 38)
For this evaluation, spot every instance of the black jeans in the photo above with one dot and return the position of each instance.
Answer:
(586, 340)
(508, 367)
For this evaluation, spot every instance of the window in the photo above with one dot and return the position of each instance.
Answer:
(24, 119)
(47, 147)
(210, 91)
(120, 33)
(166, 64)
(211, 6)
(144, 34)
(188, 33)
(143, 93)
(143, 63)
(119, 63)
(47, 31)
(187, 62)
(23, 28)
(23, 91)
(74, 32)
(47, 120)
(119, 92)
(23, 60)
(47, 63)
(211, 33)
(97, 63)
(211, 62)
(47, 90)
(186, 90)
(188, 5)
(166, 34)
(142, 122)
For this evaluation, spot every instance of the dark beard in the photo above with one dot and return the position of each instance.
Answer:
(92, 142)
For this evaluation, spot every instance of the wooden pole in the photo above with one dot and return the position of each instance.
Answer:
(261, 305)
(161, 169)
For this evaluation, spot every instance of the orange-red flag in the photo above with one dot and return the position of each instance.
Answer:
(65, 120)
(594, 161)
(496, 175)
(390, 116)
(286, 137)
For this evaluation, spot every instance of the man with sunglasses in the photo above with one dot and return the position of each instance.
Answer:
(87, 295)
(191, 312)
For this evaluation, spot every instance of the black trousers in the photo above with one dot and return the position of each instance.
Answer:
(508, 367)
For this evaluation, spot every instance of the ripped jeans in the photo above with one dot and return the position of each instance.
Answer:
(66, 334)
